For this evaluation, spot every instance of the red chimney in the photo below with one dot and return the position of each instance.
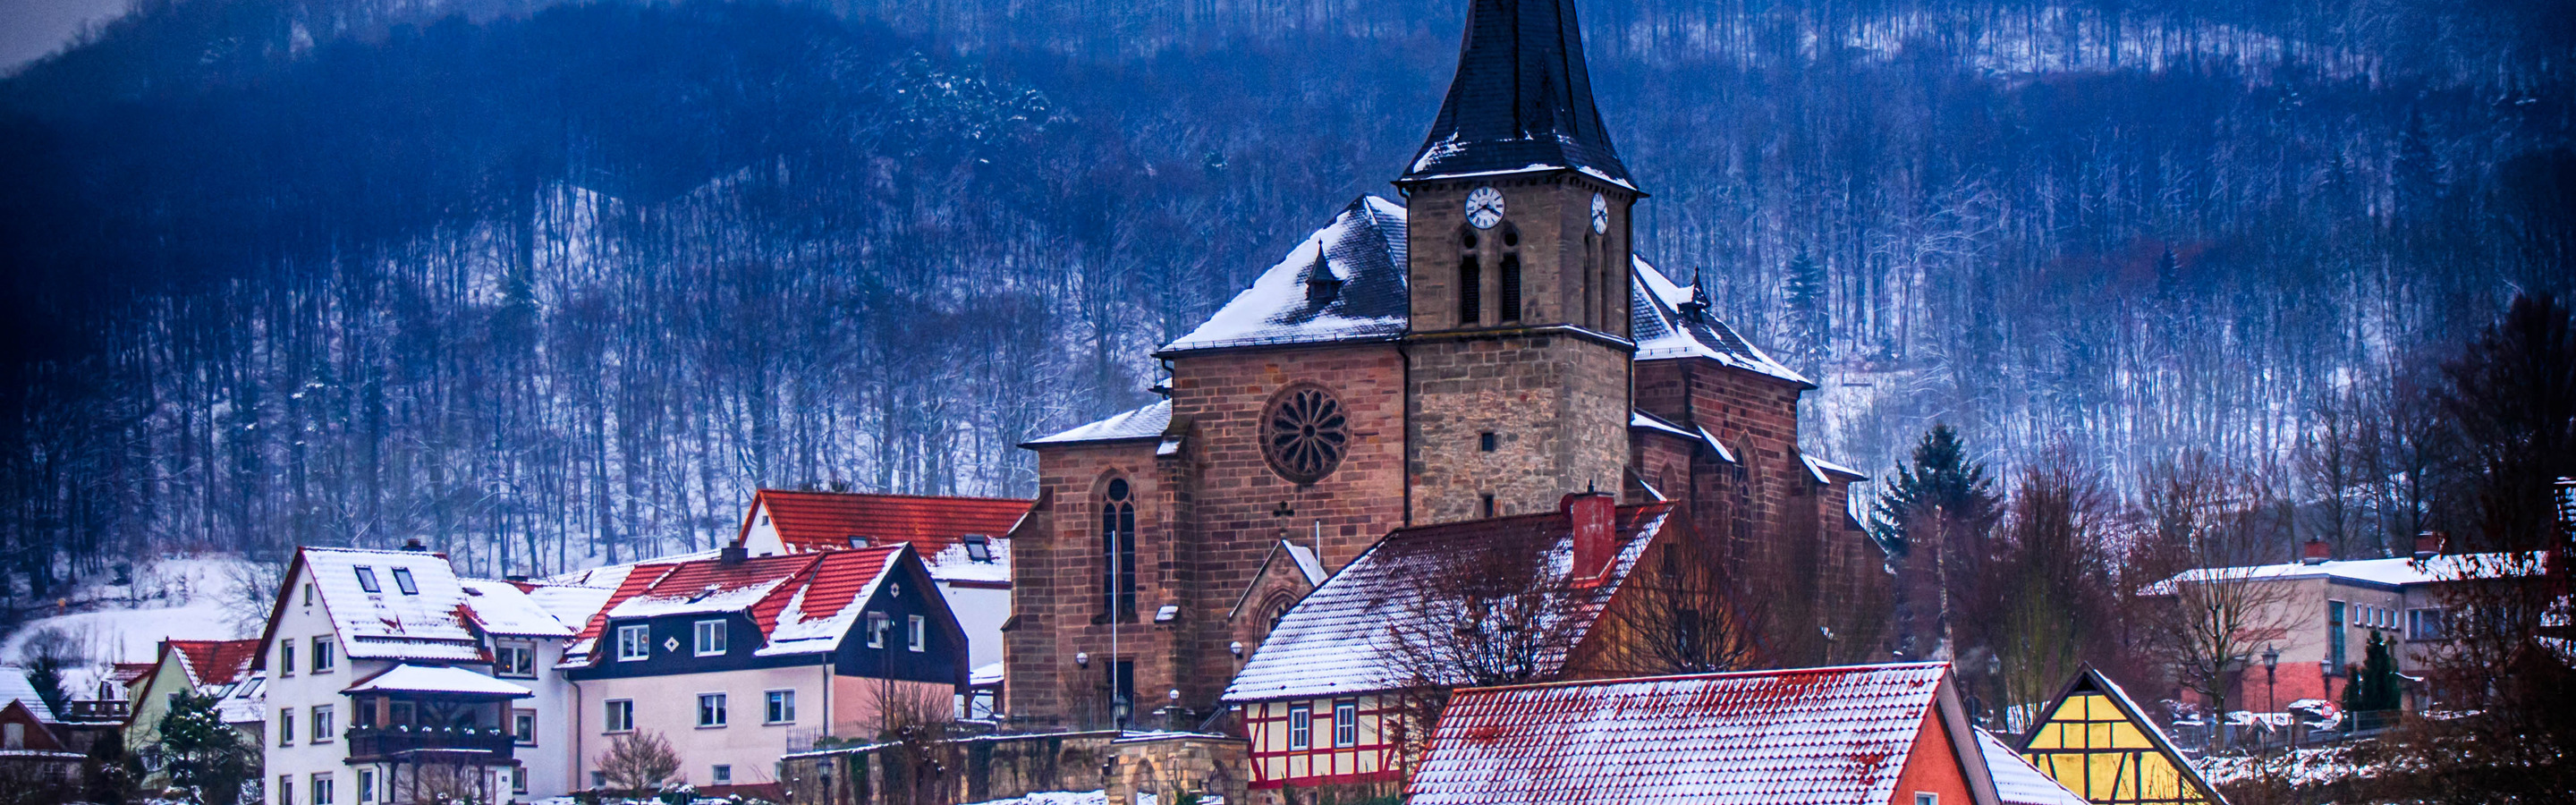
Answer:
(1594, 535)
(2430, 544)
(2315, 552)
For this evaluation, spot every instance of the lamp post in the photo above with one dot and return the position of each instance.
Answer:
(2271, 671)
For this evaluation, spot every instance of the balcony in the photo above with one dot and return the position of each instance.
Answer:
(406, 742)
(92, 710)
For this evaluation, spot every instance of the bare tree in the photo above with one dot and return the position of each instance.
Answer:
(919, 722)
(2053, 592)
(1674, 615)
(639, 762)
(2213, 528)
(1489, 611)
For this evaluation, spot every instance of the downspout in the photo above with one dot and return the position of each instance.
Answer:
(572, 764)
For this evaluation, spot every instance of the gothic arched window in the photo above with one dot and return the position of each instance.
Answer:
(1511, 301)
(1118, 550)
(1471, 280)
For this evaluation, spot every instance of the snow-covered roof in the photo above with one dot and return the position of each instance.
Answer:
(1666, 323)
(501, 608)
(1641, 420)
(2019, 783)
(1337, 639)
(213, 662)
(14, 686)
(936, 525)
(1307, 565)
(1804, 735)
(800, 602)
(1360, 258)
(986, 674)
(244, 702)
(2390, 573)
(571, 604)
(426, 623)
(1143, 423)
(1824, 471)
(408, 678)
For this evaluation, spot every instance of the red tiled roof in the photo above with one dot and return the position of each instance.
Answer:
(817, 586)
(1803, 735)
(811, 521)
(641, 577)
(217, 662)
(125, 673)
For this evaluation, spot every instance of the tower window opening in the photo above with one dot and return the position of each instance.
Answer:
(1471, 290)
(1467, 239)
(1511, 287)
(1485, 441)
(1489, 505)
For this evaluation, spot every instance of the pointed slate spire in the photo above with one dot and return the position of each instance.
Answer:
(1522, 97)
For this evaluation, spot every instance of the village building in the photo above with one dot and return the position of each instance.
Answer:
(1330, 699)
(1480, 350)
(965, 541)
(33, 749)
(736, 660)
(217, 668)
(2094, 741)
(1893, 734)
(2320, 613)
(389, 679)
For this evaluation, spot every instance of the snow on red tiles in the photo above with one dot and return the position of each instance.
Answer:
(1840, 734)
(812, 521)
(215, 662)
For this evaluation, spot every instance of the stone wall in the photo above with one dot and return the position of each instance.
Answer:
(1556, 403)
(985, 768)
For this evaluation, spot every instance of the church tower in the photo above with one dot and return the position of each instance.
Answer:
(1518, 349)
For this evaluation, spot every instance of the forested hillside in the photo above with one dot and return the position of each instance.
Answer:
(552, 286)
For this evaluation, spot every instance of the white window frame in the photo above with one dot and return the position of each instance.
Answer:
(1301, 727)
(366, 786)
(321, 725)
(367, 580)
(286, 789)
(722, 711)
(324, 659)
(525, 650)
(617, 715)
(403, 581)
(518, 779)
(1346, 723)
(285, 726)
(319, 788)
(1927, 798)
(778, 706)
(721, 774)
(918, 639)
(286, 656)
(878, 623)
(707, 638)
(526, 737)
(639, 647)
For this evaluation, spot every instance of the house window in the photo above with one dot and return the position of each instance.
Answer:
(722, 774)
(308, 593)
(367, 582)
(621, 716)
(286, 726)
(13, 735)
(2424, 624)
(518, 779)
(877, 625)
(321, 788)
(1926, 798)
(779, 707)
(321, 728)
(711, 709)
(323, 657)
(1301, 727)
(599, 779)
(286, 789)
(402, 579)
(979, 548)
(1346, 723)
(2334, 635)
(710, 638)
(514, 658)
(286, 658)
(634, 642)
(366, 786)
(920, 633)
(1118, 549)
(523, 726)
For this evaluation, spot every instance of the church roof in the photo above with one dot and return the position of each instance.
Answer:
(1143, 423)
(1665, 323)
(1344, 283)
(1522, 99)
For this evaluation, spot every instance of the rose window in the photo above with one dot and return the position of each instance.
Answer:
(1305, 434)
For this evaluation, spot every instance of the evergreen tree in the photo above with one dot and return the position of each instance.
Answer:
(204, 755)
(1809, 329)
(1940, 483)
(2375, 685)
(1935, 519)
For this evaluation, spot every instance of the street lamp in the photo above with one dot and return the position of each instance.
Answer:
(2271, 672)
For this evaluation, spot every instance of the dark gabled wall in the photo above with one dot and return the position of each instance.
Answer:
(741, 641)
(943, 655)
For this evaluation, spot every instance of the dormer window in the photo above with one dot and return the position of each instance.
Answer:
(857, 541)
(402, 579)
(1321, 285)
(367, 580)
(979, 548)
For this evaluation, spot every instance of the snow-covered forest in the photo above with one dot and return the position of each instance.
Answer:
(551, 286)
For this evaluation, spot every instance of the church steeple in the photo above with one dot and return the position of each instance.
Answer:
(1522, 98)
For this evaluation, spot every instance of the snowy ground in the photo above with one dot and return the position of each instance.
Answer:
(188, 598)
(2300, 768)
(1056, 798)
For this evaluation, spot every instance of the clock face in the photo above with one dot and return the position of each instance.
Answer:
(1485, 207)
(1600, 214)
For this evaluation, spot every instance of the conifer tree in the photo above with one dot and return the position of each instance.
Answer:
(1934, 520)
(204, 755)
(2375, 686)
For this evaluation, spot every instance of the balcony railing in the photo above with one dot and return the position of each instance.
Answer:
(381, 742)
(94, 710)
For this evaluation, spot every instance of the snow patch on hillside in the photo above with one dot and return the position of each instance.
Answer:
(190, 598)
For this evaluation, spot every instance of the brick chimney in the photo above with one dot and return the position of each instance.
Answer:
(413, 544)
(2314, 552)
(1595, 534)
(2429, 544)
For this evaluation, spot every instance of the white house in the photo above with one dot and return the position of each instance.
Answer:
(389, 679)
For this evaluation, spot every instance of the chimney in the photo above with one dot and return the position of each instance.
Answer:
(2430, 544)
(732, 555)
(2314, 552)
(413, 544)
(1594, 536)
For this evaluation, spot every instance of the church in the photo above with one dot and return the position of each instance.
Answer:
(1481, 346)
